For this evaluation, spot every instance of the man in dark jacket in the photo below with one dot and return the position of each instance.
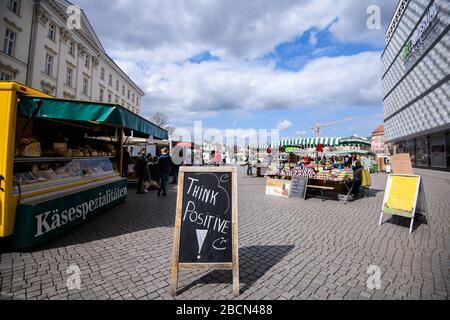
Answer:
(142, 172)
(164, 163)
(126, 160)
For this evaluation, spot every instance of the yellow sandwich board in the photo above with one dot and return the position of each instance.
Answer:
(401, 195)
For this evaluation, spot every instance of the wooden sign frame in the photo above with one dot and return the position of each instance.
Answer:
(234, 265)
(416, 197)
(280, 181)
(401, 164)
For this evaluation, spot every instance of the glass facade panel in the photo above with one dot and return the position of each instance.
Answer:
(438, 152)
(422, 152)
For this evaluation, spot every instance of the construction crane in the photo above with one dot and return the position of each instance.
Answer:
(319, 126)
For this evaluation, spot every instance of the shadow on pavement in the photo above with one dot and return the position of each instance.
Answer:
(406, 222)
(254, 262)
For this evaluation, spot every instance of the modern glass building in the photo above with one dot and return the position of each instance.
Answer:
(416, 86)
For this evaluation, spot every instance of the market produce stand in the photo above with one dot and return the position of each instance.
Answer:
(60, 161)
(337, 186)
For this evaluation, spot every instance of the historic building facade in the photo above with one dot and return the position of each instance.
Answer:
(378, 145)
(48, 46)
(416, 82)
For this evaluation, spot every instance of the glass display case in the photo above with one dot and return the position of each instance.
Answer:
(41, 173)
(50, 154)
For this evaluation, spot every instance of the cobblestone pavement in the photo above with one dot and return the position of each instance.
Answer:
(289, 249)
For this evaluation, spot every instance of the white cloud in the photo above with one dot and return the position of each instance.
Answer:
(284, 125)
(151, 40)
(195, 91)
(352, 21)
(313, 39)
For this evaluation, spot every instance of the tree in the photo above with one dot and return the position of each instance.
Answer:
(161, 120)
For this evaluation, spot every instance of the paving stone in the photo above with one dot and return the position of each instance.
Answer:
(289, 249)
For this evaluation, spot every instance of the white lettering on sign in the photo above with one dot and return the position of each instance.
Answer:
(55, 218)
(205, 219)
(420, 34)
(201, 193)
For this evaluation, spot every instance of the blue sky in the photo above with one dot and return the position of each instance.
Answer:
(252, 64)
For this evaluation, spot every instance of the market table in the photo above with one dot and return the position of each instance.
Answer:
(341, 188)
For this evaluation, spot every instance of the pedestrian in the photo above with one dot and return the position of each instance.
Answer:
(164, 163)
(175, 167)
(126, 160)
(357, 177)
(142, 172)
(249, 166)
(217, 158)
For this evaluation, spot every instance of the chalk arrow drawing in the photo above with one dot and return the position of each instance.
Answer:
(220, 244)
(201, 235)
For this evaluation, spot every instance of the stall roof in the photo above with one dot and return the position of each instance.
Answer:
(72, 110)
(328, 142)
(307, 141)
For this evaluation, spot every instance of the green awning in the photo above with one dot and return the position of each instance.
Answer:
(115, 115)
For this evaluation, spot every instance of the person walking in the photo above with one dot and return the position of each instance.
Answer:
(357, 176)
(249, 166)
(142, 172)
(164, 163)
(175, 167)
(126, 160)
(217, 158)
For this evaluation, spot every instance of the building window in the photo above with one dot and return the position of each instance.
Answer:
(51, 31)
(47, 91)
(14, 5)
(128, 95)
(137, 101)
(5, 76)
(422, 152)
(438, 152)
(69, 77)
(85, 86)
(123, 90)
(117, 85)
(72, 48)
(110, 80)
(10, 37)
(87, 62)
(132, 97)
(102, 74)
(48, 64)
(117, 100)
(109, 98)
(101, 94)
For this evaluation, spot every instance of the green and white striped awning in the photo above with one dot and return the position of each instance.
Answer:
(355, 141)
(314, 141)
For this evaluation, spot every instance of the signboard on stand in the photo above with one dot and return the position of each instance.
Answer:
(278, 187)
(206, 235)
(298, 187)
(404, 196)
(401, 164)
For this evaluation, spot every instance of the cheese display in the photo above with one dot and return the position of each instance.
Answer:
(42, 174)
(29, 147)
(47, 157)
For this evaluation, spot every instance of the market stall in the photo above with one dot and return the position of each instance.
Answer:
(334, 184)
(60, 161)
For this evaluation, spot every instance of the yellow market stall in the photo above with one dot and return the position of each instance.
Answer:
(56, 167)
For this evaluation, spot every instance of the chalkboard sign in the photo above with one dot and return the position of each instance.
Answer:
(298, 187)
(206, 222)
